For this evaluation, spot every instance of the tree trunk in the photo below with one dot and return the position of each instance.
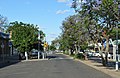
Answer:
(105, 59)
(107, 50)
(76, 50)
(70, 52)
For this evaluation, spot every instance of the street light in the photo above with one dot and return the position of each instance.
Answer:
(117, 62)
(116, 48)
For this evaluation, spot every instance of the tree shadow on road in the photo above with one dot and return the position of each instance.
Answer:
(10, 60)
(8, 63)
(52, 57)
(110, 65)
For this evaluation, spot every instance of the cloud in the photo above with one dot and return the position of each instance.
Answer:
(69, 4)
(62, 11)
(62, 1)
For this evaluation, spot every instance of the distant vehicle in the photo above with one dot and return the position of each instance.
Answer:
(109, 55)
(34, 54)
(81, 52)
(96, 54)
(90, 53)
(21, 56)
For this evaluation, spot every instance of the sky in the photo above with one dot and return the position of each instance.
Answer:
(47, 14)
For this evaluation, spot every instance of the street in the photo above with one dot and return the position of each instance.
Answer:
(58, 66)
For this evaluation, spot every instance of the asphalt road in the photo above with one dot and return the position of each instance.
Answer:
(58, 66)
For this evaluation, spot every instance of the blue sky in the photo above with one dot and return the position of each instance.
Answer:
(48, 14)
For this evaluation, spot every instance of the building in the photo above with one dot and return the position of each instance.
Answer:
(4, 45)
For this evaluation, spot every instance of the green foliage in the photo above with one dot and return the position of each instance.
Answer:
(42, 35)
(56, 43)
(66, 52)
(23, 35)
(98, 17)
(84, 47)
(52, 47)
(113, 33)
(79, 56)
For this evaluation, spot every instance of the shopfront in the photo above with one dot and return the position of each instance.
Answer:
(4, 45)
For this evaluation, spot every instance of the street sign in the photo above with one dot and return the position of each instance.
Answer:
(45, 44)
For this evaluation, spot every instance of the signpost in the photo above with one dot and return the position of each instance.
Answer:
(117, 66)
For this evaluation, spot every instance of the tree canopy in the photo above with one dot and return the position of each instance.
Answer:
(94, 21)
(3, 23)
(23, 35)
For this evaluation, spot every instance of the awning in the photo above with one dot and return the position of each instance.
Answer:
(4, 35)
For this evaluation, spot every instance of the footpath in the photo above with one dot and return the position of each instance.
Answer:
(9, 60)
(98, 66)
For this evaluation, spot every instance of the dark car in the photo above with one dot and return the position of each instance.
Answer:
(21, 56)
(34, 54)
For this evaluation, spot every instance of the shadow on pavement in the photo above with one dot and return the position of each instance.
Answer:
(111, 64)
(10, 60)
(52, 57)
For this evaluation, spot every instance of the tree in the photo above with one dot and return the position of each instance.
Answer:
(73, 34)
(99, 17)
(52, 47)
(23, 35)
(113, 34)
(3, 22)
(68, 37)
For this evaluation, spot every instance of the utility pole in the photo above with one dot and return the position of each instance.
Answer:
(117, 65)
(39, 44)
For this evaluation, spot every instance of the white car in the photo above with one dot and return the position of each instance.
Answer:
(96, 54)
(90, 53)
(109, 55)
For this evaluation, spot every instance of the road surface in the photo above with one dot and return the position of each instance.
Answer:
(58, 66)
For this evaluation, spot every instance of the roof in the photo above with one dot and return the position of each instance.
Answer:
(4, 35)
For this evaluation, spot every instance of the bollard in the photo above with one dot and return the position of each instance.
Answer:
(26, 55)
(43, 56)
(38, 55)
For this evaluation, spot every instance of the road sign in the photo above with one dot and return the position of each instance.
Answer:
(45, 44)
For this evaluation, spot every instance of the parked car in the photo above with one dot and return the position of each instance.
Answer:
(80, 52)
(34, 54)
(90, 54)
(21, 56)
(109, 55)
(96, 54)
